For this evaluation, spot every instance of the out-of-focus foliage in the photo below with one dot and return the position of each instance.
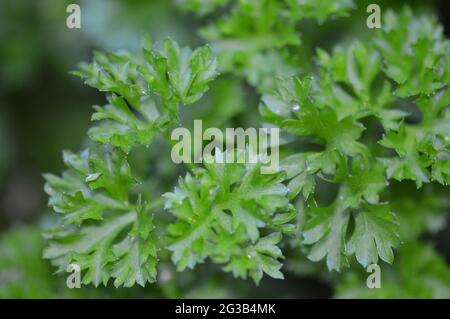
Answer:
(419, 272)
(254, 38)
(23, 272)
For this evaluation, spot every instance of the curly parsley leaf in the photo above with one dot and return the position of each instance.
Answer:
(103, 232)
(221, 211)
(375, 235)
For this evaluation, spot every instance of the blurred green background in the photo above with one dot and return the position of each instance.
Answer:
(44, 109)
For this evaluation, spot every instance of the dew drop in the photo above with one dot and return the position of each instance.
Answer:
(296, 108)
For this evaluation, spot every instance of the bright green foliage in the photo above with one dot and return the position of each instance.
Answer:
(332, 109)
(90, 186)
(172, 74)
(300, 168)
(325, 230)
(375, 234)
(103, 253)
(372, 118)
(347, 78)
(421, 69)
(121, 244)
(25, 275)
(301, 109)
(112, 73)
(420, 158)
(122, 127)
(178, 75)
(415, 53)
(221, 212)
(364, 182)
(419, 271)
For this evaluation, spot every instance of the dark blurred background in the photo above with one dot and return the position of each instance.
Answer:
(44, 109)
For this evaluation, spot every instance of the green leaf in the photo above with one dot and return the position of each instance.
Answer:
(300, 168)
(375, 234)
(416, 153)
(137, 262)
(325, 230)
(324, 124)
(365, 181)
(91, 185)
(296, 110)
(124, 127)
(115, 73)
(101, 252)
(179, 75)
(254, 260)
